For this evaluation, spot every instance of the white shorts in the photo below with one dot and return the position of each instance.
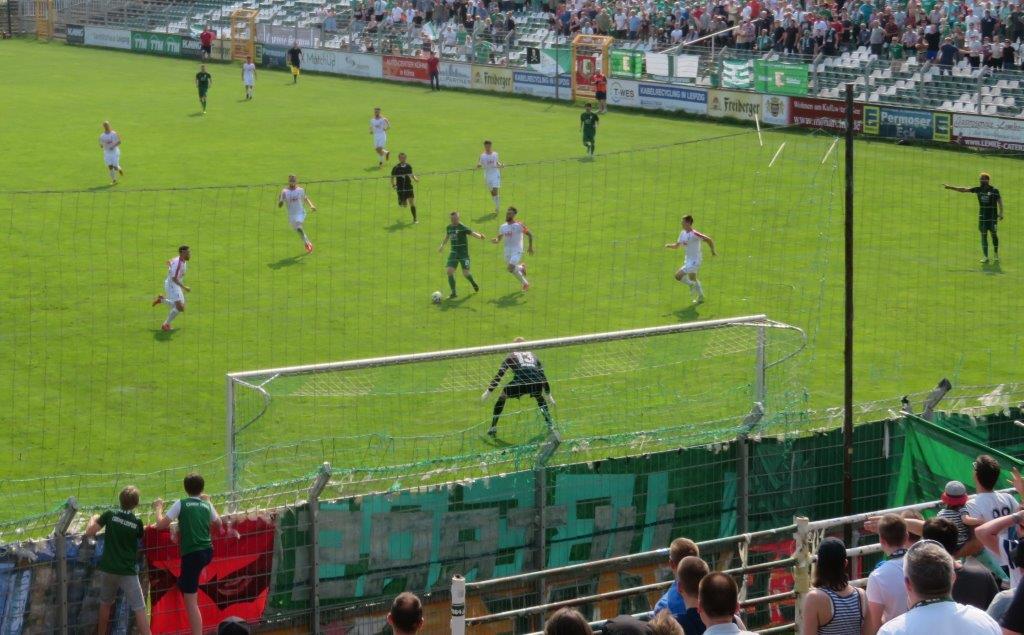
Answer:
(112, 157)
(380, 140)
(514, 257)
(691, 266)
(249, 81)
(493, 180)
(296, 220)
(173, 292)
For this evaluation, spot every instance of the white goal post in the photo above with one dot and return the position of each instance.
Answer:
(258, 381)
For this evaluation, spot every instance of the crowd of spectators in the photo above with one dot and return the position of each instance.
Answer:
(943, 31)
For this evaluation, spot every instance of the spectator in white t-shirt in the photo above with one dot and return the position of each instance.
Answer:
(887, 595)
(932, 611)
(988, 505)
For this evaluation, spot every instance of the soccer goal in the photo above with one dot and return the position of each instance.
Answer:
(397, 421)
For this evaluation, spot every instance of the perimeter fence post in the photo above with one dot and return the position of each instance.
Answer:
(322, 478)
(540, 497)
(458, 623)
(60, 542)
(802, 567)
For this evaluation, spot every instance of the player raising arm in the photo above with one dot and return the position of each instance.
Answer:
(514, 231)
(174, 288)
(990, 211)
(110, 141)
(528, 378)
(294, 196)
(690, 240)
(492, 176)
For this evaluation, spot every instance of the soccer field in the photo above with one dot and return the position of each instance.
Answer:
(90, 385)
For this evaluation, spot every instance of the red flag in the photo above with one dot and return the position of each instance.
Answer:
(236, 583)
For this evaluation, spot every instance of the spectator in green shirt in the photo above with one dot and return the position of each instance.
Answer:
(895, 49)
(195, 516)
(119, 561)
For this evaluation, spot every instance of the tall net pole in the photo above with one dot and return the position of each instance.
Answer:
(848, 321)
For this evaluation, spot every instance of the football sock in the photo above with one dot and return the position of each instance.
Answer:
(499, 405)
(476, 287)
(984, 244)
(451, 281)
(544, 408)
(173, 313)
(113, 174)
(995, 242)
(413, 208)
(497, 201)
(699, 288)
(518, 272)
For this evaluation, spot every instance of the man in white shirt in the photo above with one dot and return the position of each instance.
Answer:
(887, 595)
(690, 240)
(718, 604)
(929, 584)
(110, 141)
(379, 126)
(249, 77)
(174, 288)
(513, 231)
(988, 505)
(295, 198)
(492, 172)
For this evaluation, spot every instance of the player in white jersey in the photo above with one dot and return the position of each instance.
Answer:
(174, 288)
(690, 240)
(513, 231)
(988, 504)
(249, 77)
(294, 196)
(379, 126)
(110, 141)
(492, 175)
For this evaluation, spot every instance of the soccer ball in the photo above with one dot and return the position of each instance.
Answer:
(435, 297)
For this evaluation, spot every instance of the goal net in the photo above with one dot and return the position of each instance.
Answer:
(398, 421)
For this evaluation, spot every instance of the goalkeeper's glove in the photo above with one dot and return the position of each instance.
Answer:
(487, 393)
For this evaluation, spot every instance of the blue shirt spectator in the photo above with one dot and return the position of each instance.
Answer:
(672, 601)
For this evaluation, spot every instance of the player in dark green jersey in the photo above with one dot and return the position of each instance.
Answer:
(990, 211)
(456, 233)
(203, 82)
(119, 562)
(588, 124)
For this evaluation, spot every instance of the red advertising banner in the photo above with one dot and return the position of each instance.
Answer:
(823, 113)
(236, 583)
(406, 69)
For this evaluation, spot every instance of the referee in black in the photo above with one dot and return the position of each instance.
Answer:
(528, 378)
(990, 211)
(401, 180)
(295, 61)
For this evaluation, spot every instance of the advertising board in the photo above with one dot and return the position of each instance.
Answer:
(158, 43)
(539, 85)
(191, 47)
(492, 78)
(667, 97)
(455, 75)
(406, 69)
(826, 114)
(734, 104)
(780, 78)
(74, 34)
(775, 109)
(624, 92)
(273, 56)
(907, 123)
(991, 133)
(108, 38)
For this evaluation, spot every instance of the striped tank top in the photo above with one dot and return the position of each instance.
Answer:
(846, 614)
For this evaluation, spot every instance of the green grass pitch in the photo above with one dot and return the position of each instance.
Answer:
(88, 383)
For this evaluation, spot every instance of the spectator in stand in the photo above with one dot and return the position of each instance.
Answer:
(987, 505)
(974, 584)
(664, 624)
(717, 603)
(947, 56)
(886, 593)
(567, 621)
(119, 562)
(206, 42)
(876, 38)
(406, 614)
(673, 599)
(688, 576)
(833, 607)
(1008, 55)
(627, 625)
(954, 508)
(929, 582)
(913, 533)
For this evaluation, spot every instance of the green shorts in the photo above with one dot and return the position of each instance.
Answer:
(456, 260)
(987, 226)
(202, 93)
(588, 136)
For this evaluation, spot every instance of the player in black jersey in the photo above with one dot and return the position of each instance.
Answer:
(990, 211)
(528, 378)
(401, 180)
